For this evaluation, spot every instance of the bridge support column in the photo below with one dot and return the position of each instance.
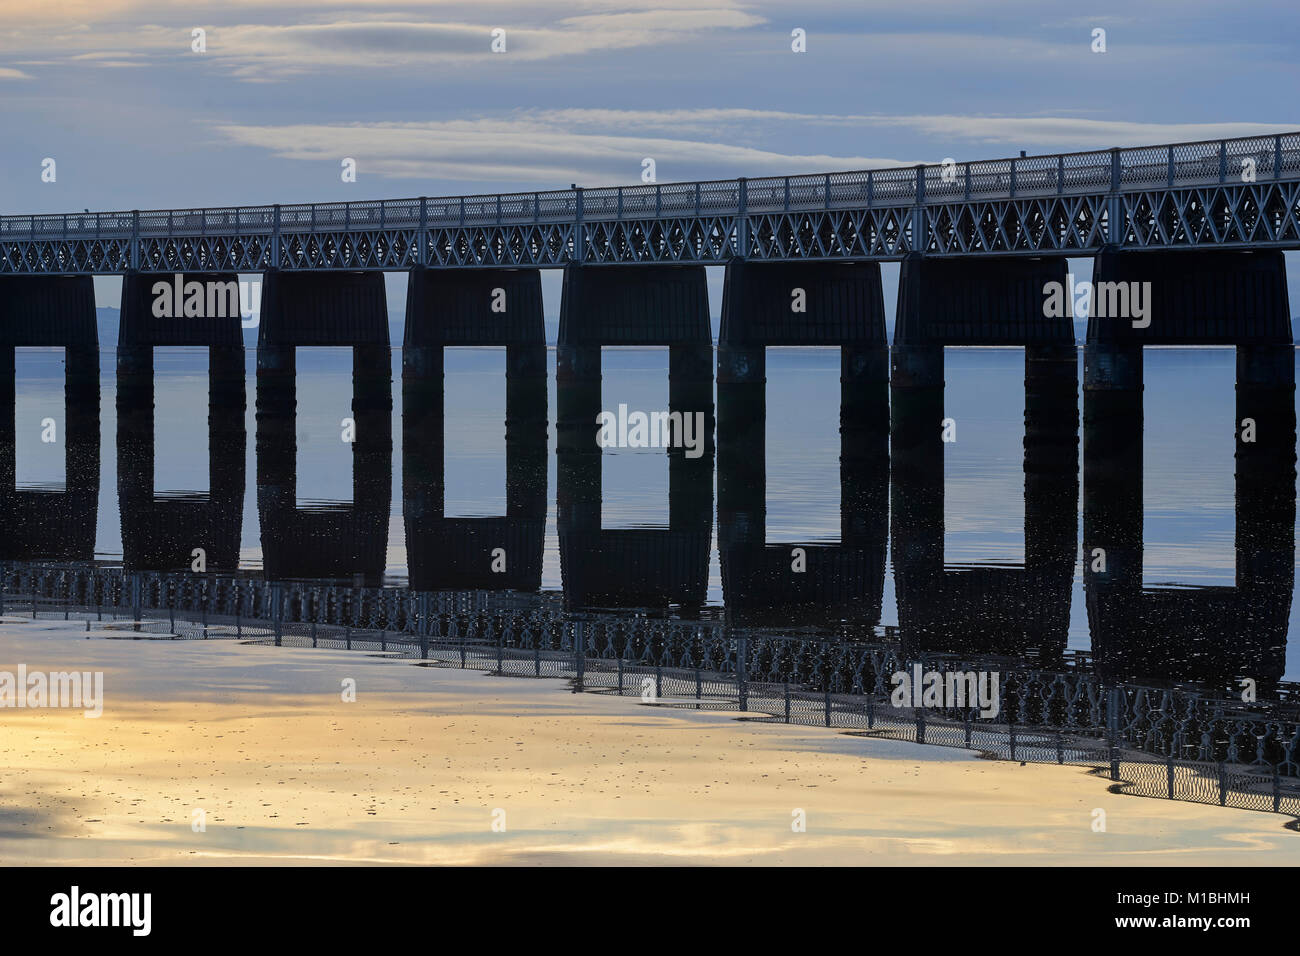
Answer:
(742, 459)
(8, 425)
(643, 305)
(162, 534)
(474, 307)
(984, 609)
(52, 311)
(1190, 298)
(803, 304)
(324, 309)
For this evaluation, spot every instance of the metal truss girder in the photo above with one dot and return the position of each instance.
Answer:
(1229, 215)
(1241, 215)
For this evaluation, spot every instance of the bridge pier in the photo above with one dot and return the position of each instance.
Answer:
(51, 311)
(161, 534)
(982, 608)
(803, 304)
(1211, 634)
(474, 307)
(324, 309)
(643, 305)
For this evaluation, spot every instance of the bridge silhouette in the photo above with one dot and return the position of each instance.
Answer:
(1204, 224)
(1234, 193)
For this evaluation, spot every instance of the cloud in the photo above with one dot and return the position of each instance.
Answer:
(1044, 133)
(540, 148)
(8, 73)
(1071, 132)
(275, 40)
(287, 45)
(548, 148)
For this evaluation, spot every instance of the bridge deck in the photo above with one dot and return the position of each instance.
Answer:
(1241, 193)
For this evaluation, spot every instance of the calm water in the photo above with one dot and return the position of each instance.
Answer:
(1188, 444)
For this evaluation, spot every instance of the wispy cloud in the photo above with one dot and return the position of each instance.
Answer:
(1070, 132)
(9, 73)
(542, 148)
(273, 40)
(1053, 132)
(285, 45)
(538, 148)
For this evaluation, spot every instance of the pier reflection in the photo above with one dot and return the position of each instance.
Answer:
(326, 540)
(162, 531)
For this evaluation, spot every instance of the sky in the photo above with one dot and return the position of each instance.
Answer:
(585, 90)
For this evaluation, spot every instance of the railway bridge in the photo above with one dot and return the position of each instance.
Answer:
(1205, 224)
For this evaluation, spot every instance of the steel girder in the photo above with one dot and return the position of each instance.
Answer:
(1229, 215)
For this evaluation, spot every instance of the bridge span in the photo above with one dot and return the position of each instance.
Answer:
(1236, 193)
(1202, 226)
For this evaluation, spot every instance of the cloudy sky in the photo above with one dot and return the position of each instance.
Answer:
(112, 90)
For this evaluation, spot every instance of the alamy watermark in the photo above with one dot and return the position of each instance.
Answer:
(947, 690)
(652, 430)
(36, 689)
(210, 299)
(75, 908)
(1105, 300)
